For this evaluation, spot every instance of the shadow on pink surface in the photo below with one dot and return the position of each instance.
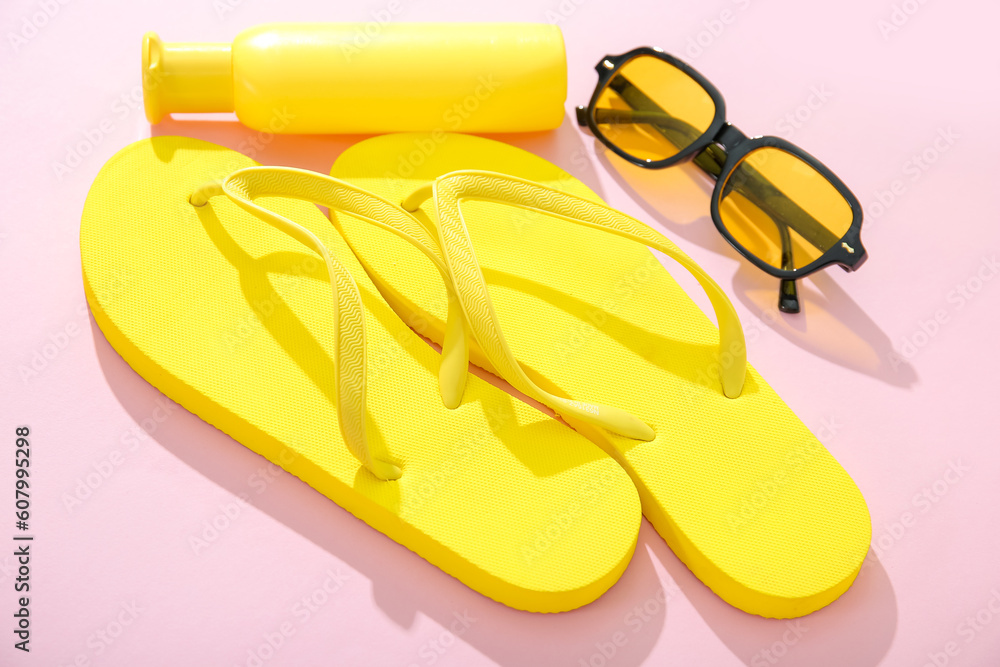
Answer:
(628, 620)
(563, 146)
(403, 585)
(831, 325)
(305, 151)
(857, 629)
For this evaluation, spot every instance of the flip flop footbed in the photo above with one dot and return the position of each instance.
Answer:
(741, 490)
(233, 319)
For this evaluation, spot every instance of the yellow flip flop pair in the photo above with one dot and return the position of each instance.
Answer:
(228, 309)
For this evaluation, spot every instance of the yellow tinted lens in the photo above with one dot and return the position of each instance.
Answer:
(652, 110)
(782, 210)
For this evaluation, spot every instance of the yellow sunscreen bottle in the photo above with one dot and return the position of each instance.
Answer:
(324, 78)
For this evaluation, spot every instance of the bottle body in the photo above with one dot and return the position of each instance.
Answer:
(319, 78)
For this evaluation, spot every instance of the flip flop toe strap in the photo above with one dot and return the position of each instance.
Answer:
(464, 269)
(246, 185)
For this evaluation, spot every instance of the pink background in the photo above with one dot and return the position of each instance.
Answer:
(896, 365)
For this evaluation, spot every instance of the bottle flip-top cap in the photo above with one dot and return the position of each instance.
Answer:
(185, 77)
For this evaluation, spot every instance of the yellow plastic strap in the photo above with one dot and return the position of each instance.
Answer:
(339, 195)
(245, 185)
(450, 189)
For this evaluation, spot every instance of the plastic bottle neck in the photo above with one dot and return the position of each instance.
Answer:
(185, 77)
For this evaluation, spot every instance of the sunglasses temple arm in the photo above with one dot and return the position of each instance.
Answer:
(788, 296)
(647, 111)
(778, 203)
(644, 111)
(788, 293)
(710, 160)
(762, 192)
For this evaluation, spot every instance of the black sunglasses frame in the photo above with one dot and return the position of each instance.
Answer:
(718, 151)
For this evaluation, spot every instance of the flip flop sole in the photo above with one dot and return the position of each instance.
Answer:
(739, 488)
(232, 319)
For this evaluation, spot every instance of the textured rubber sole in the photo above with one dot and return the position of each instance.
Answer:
(739, 488)
(232, 319)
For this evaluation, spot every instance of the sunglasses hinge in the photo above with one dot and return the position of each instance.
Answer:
(729, 136)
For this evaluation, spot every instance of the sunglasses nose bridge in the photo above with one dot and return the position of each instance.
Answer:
(729, 136)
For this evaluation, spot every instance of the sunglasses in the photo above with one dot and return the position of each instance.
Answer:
(780, 207)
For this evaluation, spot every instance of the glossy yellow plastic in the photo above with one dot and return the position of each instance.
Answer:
(244, 186)
(318, 78)
(182, 77)
(450, 190)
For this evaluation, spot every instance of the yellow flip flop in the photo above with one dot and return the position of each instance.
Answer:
(225, 305)
(590, 323)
